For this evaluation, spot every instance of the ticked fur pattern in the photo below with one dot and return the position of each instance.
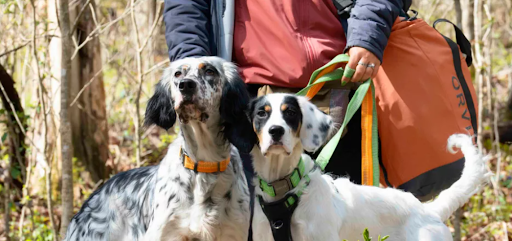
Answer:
(169, 201)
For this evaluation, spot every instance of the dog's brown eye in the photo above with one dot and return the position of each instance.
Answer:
(290, 113)
(177, 74)
(262, 113)
(209, 72)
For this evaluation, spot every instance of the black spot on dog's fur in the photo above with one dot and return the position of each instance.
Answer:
(316, 141)
(309, 126)
(171, 197)
(162, 187)
(324, 129)
(228, 195)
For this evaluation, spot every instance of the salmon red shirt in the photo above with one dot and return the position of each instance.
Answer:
(281, 42)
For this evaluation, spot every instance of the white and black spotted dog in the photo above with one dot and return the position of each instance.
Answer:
(173, 201)
(336, 209)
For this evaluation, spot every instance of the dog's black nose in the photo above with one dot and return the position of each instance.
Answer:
(276, 132)
(187, 86)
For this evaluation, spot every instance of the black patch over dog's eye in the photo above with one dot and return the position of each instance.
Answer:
(177, 74)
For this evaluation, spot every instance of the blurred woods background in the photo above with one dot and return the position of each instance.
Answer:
(76, 75)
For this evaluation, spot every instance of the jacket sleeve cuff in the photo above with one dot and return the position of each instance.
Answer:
(370, 23)
(374, 48)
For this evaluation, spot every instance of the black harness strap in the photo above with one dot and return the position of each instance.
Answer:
(279, 214)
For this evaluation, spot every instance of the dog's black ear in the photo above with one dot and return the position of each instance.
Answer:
(233, 110)
(160, 109)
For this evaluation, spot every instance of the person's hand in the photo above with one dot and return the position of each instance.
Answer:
(364, 62)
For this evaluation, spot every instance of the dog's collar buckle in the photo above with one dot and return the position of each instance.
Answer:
(282, 186)
(286, 184)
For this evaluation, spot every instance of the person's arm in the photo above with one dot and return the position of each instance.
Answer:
(369, 27)
(370, 24)
(188, 29)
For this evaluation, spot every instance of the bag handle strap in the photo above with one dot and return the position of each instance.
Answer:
(364, 97)
(462, 41)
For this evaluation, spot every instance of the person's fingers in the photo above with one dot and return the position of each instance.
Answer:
(360, 70)
(375, 70)
(367, 74)
(350, 68)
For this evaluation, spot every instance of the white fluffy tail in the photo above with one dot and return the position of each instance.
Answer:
(473, 176)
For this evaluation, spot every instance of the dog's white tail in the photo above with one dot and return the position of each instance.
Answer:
(473, 176)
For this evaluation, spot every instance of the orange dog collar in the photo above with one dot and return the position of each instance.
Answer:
(203, 166)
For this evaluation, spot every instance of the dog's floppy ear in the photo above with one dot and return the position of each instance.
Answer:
(316, 126)
(160, 109)
(233, 106)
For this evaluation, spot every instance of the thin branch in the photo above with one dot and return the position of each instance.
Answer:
(101, 29)
(91, 80)
(156, 67)
(85, 86)
(155, 23)
(478, 61)
(93, 14)
(57, 14)
(18, 119)
(25, 193)
(45, 120)
(14, 49)
(134, 23)
(137, 98)
(75, 24)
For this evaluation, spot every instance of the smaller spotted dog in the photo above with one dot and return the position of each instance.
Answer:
(336, 209)
(199, 190)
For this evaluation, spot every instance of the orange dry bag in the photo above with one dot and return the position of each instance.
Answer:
(424, 94)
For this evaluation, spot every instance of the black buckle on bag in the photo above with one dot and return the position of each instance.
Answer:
(343, 7)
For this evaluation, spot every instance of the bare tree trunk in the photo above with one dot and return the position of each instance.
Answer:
(12, 105)
(458, 13)
(152, 8)
(89, 116)
(487, 51)
(456, 224)
(137, 122)
(65, 125)
(7, 201)
(468, 19)
(478, 67)
(509, 86)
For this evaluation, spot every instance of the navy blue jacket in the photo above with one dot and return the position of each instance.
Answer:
(190, 28)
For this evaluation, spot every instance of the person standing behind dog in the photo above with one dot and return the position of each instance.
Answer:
(277, 45)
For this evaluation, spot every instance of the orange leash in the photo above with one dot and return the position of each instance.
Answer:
(366, 139)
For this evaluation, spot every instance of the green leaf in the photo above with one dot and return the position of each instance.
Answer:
(366, 235)
(15, 173)
(385, 237)
(4, 136)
